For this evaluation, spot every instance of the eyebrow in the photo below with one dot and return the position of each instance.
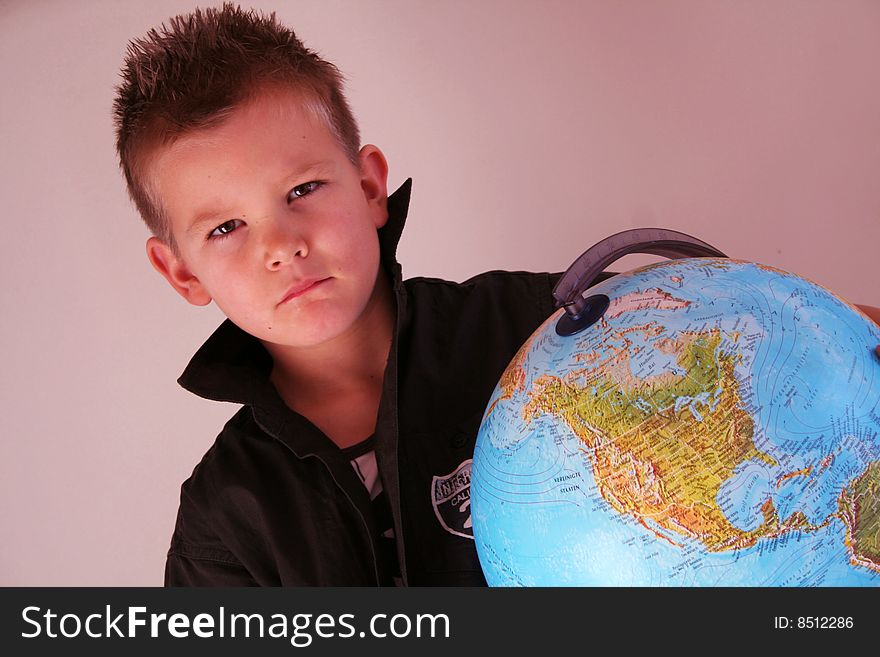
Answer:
(204, 218)
(213, 215)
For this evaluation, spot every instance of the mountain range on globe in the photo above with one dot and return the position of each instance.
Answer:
(718, 426)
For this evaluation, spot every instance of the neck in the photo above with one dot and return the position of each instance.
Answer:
(351, 362)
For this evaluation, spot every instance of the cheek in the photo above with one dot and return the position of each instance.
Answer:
(227, 283)
(353, 248)
(365, 259)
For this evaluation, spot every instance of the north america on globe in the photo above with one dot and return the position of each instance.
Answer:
(719, 425)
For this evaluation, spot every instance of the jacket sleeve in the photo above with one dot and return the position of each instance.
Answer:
(197, 555)
(185, 570)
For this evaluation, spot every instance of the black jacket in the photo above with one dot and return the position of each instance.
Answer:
(274, 501)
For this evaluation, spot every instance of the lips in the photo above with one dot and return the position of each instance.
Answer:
(301, 287)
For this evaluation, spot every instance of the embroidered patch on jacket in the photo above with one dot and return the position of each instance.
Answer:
(451, 497)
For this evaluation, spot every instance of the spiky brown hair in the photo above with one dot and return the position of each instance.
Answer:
(193, 72)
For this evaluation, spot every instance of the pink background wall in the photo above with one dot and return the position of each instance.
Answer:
(531, 129)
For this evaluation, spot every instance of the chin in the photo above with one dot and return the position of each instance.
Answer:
(312, 337)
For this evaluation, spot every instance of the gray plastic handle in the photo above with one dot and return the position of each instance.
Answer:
(653, 241)
(568, 292)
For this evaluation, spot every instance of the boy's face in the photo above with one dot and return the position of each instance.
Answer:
(267, 204)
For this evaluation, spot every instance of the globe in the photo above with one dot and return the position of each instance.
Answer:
(719, 425)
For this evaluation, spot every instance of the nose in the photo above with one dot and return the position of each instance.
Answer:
(282, 242)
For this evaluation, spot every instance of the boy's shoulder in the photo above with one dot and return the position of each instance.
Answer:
(493, 283)
(493, 278)
(512, 302)
(223, 457)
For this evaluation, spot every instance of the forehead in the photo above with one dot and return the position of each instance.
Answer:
(268, 139)
(281, 122)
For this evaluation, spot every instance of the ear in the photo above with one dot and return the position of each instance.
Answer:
(374, 182)
(176, 273)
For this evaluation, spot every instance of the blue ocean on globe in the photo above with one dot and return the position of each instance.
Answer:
(718, 426)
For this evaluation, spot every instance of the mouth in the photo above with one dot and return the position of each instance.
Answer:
(302, 287)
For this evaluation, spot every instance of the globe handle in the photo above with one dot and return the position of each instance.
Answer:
(581, 312)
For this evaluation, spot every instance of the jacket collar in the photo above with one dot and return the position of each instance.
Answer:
(234, 366)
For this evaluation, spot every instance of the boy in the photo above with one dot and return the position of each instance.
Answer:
(349, 460)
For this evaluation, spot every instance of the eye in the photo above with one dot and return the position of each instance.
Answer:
(224, 229)
(303, 190)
